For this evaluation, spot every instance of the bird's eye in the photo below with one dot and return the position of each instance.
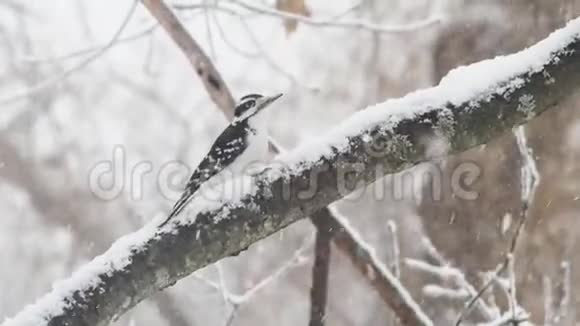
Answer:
(250, 103)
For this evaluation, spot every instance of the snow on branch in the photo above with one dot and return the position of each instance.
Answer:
(471, 106)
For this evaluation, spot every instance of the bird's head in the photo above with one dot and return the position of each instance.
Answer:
(251, 104)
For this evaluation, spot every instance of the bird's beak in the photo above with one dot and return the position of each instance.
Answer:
(267, 100)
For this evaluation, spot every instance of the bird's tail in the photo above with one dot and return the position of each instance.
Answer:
(179, 205)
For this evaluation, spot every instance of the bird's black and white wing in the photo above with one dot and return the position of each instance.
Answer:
(222, 153)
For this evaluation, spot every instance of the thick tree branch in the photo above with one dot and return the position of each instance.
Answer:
(224, 101)
(503, 93)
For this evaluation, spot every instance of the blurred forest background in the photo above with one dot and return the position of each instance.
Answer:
(81, 78)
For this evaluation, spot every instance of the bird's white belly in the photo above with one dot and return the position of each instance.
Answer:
(255, 154)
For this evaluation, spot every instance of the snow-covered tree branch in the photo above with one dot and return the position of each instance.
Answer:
(327, 225)
(471, 106)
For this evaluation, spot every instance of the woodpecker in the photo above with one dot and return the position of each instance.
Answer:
(245, 140)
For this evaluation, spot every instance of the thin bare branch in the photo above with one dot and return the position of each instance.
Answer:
(362, 25)
(88, 50)
(512, 288)
(567, 287)
(395, 250)
(296, 260)
(54, 81)
(388, 286)
(212, 80)
(450, 274)
(395, 257)
(237, 300)
(530, 178)
(548, 301)
(267, 58)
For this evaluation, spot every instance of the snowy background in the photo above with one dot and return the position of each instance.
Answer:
(78, 87)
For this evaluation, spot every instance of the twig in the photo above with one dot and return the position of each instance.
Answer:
(214, 6)
(499, 269)
(512, 295)
(268, 59)
(97, 47)
(478, 296)
(564, 304)
(237, 300)
(508, 319)
(444, 272)
(296, 259)
(548, 301)
(208, 30)
(224, 291)
(89, 49)
(349, 10)
(395, 259)
(363, 25)
(387, 285)
(530, 179)
(242, 52)
(432, 252)
(65, 74)
(396, 252)
(260, 49)
(437, 292)
(212, 80)
(530, 175)
(457, 278)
